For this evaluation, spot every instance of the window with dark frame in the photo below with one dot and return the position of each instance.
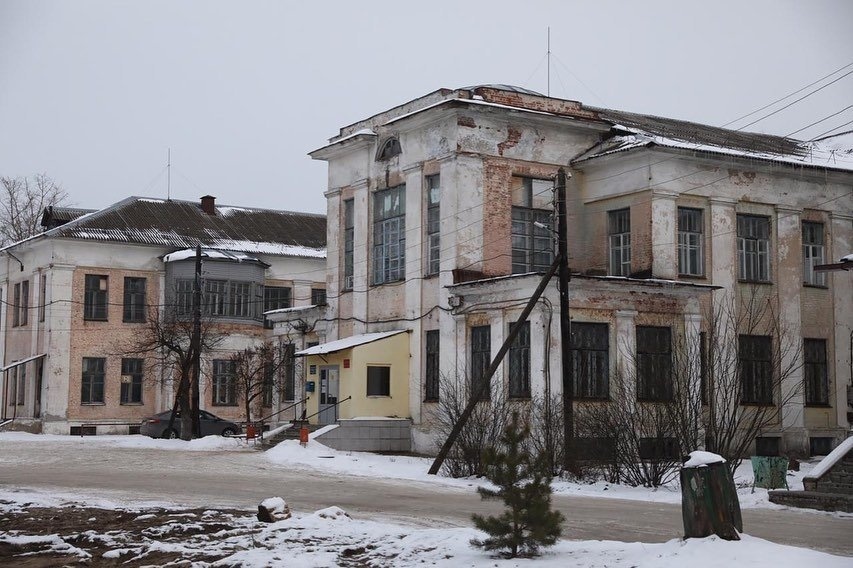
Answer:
(92, 383)
(224, 382)
(318, 296)
(755, 355)
(349, 243)
(704, 386)
(519, 362)
(42, 296)
(654, 364)
(288, 391)
(275, 298)
(134, 300)
(16, 305)
(753, 248)
(656, 449)
(590, 360)
(389, 235)
(433, 224)
(813, 253)
(619, 242)
(20, 382)
(691, 245)
(95, 304)
(481, 340)
(131, 381)
(531, 232)
(240, 300)
(25, 302)
(431, 366)
(378, 380)
(183, 297)
(815, 371)
(268, 384)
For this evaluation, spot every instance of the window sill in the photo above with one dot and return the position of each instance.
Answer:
(133, 321)
(431, 400)
(693, 276)
(759, 404)
(378, 396)
(431, 275)
(131, 404)
(761, 282)
(521, 397)
(817, 405)
(226, 404)
(816, 286)
(591, 398)
(95, 319)
(92, 404)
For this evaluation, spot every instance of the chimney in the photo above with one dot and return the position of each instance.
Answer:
(208, 204)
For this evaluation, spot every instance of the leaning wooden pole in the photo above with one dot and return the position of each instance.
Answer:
(484, 385)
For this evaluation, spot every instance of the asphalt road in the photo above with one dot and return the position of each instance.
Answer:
(243, 479)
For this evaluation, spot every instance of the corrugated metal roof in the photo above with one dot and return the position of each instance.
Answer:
(183, 224)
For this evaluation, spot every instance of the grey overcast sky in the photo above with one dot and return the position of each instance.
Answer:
(92, 93)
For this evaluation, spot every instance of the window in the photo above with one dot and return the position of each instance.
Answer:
(268, 384)
(753, 248)
(519, 363)
(432, 366)
(318, 296)
(184, 297)
(390, 148)
(20, 310)
(481, 339)
(813, 254)
(240, 300)
(703, 367)
(378, 381)
(349, 243)
(656, 449)
(275, 298)
(619, 233)
(767, 446)
(756, 370)
(654, 362)
(691, 246)
(42, 296)
(288, 391)
(131, 381)
(590, 360)
(215, 292)
(96, 296)
(20, 382)
(433, 224)
(92, 385)
(816, 378)
(134, 300)
(389, 235)
(221, 298)
(532, 237)
(224, 382)
(820, 446)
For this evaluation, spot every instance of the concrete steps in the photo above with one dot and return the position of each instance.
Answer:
(813, 500)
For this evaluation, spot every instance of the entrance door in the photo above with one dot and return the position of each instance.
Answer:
(329, 389)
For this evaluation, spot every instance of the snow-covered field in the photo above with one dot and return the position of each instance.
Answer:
(158, 533)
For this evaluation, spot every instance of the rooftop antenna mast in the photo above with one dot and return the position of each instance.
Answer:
(548, 54)
(169, 174)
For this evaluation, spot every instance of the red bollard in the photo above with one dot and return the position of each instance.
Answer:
(303, 436)
(250, 432)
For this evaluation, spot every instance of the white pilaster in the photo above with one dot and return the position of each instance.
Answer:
(664, 235)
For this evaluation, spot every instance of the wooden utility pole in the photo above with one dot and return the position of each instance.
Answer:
(195, 347)
(565, 324)
(485, 384)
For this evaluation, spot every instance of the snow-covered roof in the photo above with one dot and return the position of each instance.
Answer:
(210, 254)
(347, 343)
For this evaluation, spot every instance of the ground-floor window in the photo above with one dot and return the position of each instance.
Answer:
(92, 383)
(481, 339)
(378, 381)
(131, 381)
(224, 382)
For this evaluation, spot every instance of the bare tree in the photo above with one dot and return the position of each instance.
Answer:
(166, 340)
(259, 373)
(22, 202)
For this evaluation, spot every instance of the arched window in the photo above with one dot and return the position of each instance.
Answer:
(390, 148)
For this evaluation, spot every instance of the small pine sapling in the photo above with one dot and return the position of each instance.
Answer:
(524, 485)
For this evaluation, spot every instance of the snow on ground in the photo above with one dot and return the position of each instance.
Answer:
(208, 443)
(330, 538)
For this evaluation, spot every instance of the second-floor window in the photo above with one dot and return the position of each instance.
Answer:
(433, 224)
(275, 298)
(813, 254)
(224, 382)
(619, 242)
(654, 363)
(318, 296)
(690, 242)
(753, 248)
(96, 297)
(134, 300)
(532, 237)
(42, 296)
(21, 300)
(221, 298)
(519, 363)
(389, 235)
(349, 243)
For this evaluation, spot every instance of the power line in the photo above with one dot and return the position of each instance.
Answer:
(819, 121)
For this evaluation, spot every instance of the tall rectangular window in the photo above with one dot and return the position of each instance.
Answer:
(619, 240)
(691, 245)
(240, 300)
(813, 254)
(16, 305)
(519, 363)
(756, 369)
(269, 384)
(96, 297)
(590, 360)
(288, 390)
(654, 363)
(21, 301)
(215, 294)
(378, 381)
(92, 383)
(433, 224)
(532, 236)
(131, 381)
(184, 297)
(431, 370)
(21, 385)
(275, 298)
(318, 296)
(224, 382)
(42, 296)
(753, 248)
(349, 243)
(389, 235)
(134, 300)
(481, 349)
(816, 377)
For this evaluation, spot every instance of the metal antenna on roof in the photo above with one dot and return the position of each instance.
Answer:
(548, 92)
(169, 174)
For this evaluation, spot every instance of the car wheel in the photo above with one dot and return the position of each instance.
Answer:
(229, 432)
(170, 433)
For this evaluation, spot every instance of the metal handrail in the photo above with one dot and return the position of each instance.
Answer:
(335, 405)
(264, 419)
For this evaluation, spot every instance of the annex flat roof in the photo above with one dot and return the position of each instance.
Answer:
(347, 343)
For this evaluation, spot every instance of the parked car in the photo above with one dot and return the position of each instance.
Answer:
(157, 426)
